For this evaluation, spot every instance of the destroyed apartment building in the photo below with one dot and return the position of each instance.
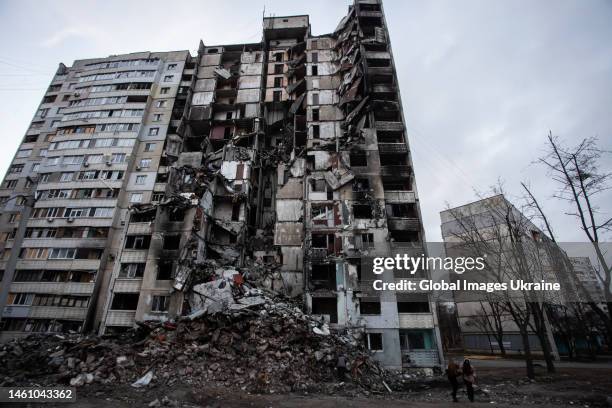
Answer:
(148, 183)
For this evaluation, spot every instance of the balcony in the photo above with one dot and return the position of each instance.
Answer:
(400, 196)
(120, 317)
(392, 148)
(49, 312)
(60, 288)
(395, 171)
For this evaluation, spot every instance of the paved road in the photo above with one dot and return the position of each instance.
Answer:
(487, 361)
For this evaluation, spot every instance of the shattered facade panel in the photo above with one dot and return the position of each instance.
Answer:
(275, 161)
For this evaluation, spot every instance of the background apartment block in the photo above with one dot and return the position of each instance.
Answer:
(286, 159)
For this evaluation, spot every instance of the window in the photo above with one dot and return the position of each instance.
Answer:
(164, 270)
(21, 299)
(315, 70)
(316, 131)
(315, 115)
(136, 198)
(13, 183)
(103, 212)
(278, 69)
(144, 163)
(374, 341)
(153, 131)
(367, 241)
(278, 57)
(157, 197)
(315, 57)
(24, 153)
(118, 158)
(358, 159)
(141, 179)
(161, 104)
(157, 117)
(369, 306)
(361, 184)
(66, 177)
(16, 169)
(160, 303)
(172, 242)
(171, 67)
(412, 307)
(14, 218)
(137, 241)
(164, 91)
(168, 78)
(125, 301)
(276, 96)
(362, 211)
(313, 44)
(315, 98)
(103, 143)
(278, 82)
(132, 270)
(62, 253)
(149, 147)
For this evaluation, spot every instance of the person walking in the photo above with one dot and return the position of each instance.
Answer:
(469, 378)
(453, 372)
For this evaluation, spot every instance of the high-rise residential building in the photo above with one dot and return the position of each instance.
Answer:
(144, 175)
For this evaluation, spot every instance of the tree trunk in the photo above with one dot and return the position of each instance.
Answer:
(528, 356)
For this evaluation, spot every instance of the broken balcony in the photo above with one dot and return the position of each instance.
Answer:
(395, 165)
(404, 238)
(323, 276)
(327, 307)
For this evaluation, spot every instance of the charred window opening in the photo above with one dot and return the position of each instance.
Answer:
(326, 306)
(394, 184)
(315, 70)
(366, 241)
(369, 306)
(322, 214)
(176, 215)
(362, 211)
(164, 270)
(278, 68)
(278, 82)
(412, 307)
(172, 242)
(322, 240)
(316, 131)
(358, 159)
(144, 216)
(125, 301)
(161, 178)
(361, 184)
(236, 212)
(393, 160)
(404, 236)
(389, 137)
(402, 210)
(323, 276)
(369, 7)
(137, 242)
(378, 62)
(277, 96)
(318, 186)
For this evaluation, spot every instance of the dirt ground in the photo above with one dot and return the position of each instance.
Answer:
(504, 387)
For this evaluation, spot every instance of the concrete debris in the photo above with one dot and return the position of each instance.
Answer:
(144, 380)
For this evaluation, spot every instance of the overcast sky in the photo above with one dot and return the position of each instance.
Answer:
(482, 82)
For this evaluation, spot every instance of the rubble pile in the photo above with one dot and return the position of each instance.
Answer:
(257, 344)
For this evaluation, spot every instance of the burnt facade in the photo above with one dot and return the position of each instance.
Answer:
(284, 160)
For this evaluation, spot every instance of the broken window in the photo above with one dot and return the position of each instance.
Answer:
(374, 341)
(125, 301)
(315, 70)
(236, 212)
(177, 215)
(361, 184)
(367, 241)
(316, 131)
(326, 306)
(278, 68)
(144, 216)
(172, 242)
(278, 57)
(278, 82)
(277, 96)
(416, 340)
(164, 270)
(412, 307)
(137, 241)
(315, 57)
(402, 210)
(393, 160)
(404, 236)
(319, 186)
(369, 306)
(393, 184)
(315, 98)
(321, 240)
(160, 303)
(315, 115)
(362, 211)
(323, 276)
(322, 214)
(132, 270)
(358, 159)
